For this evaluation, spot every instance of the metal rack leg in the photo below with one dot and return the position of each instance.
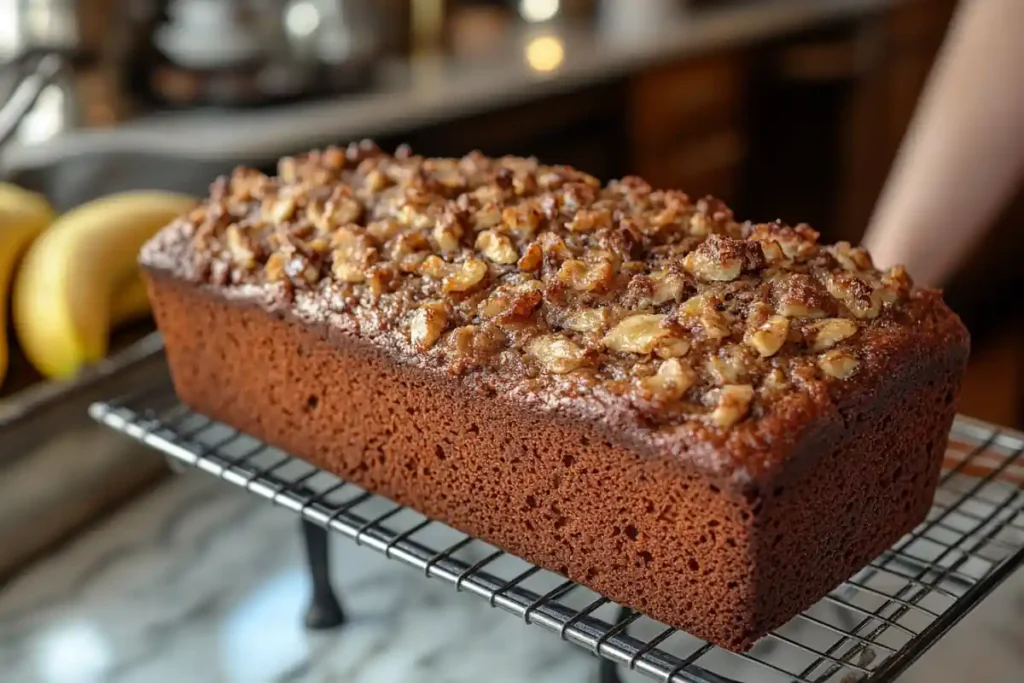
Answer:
(608, 671)
(324, 611)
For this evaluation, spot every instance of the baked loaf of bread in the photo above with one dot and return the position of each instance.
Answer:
(711, 421)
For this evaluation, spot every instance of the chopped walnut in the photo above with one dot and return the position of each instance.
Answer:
(587, 320)
(447, 234)
(714, 260)
(468, 276)
(799, 296)
(513, 304)
(274, 268)
(347, 272)
(769, 336)
(463, 339)
(854, 259)
(521, 220)
(637, 334)
(775, 381)
(668, 286)
(585, 277)
(241, 251)
(715, 323)
(382, 231)
(857, 295)
(824, 334)
(729, 365)
(280, 210)
(589, 221)
(837, 364)
(732, 405)
(671, 347)
(532, 258)
(557, 354)
(496, 248)
(800, 242)
(672, 380)
(427, 324)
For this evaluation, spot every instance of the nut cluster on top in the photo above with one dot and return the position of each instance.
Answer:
(534, 269)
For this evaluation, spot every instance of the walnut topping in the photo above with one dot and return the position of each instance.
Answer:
(729, 365)
(532, 258)
(637, 334)
(800, 242)
(714, 323)
(510, 267)
(447, 233)
(825, 334)
(715, 260)
(434, 267)
(382, 231)
(589, 221)
(667, 287)
(557, 354)
(513, 304)
(672, 380)
(799, 297)
(468, 276)
(732, 405)
(837, 364)
(671, 347)
(854, 259)
(769, 336)
(775, 381)
(427, 324)
(495, 247)
(241, 251)
(274, 268)
(585, 277)
(587, 320)
(856, 294)
(522, 220)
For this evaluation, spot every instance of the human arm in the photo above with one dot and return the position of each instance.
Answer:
(963, 156)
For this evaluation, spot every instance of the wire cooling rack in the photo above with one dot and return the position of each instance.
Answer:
(869, 629)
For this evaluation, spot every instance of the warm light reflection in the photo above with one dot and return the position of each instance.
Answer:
(545, 53)
(302, 18)
(538, 10)
(73, 651)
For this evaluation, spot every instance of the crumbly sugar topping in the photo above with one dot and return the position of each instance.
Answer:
(509, 264)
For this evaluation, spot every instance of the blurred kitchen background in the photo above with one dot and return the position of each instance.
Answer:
(788, 109)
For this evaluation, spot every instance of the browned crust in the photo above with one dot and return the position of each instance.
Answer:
(637, 523)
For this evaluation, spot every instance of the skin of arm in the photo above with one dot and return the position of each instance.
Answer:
(963, 156)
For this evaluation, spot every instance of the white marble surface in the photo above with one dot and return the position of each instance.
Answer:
(199, 582)
(431, 89)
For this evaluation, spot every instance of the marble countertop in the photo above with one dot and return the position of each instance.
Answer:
(201, 582)
(430, 89)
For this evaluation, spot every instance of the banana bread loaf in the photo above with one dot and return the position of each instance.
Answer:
(711, 421)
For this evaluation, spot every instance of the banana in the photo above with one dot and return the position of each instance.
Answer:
(130, 301)
(23, 216)
(65, 290)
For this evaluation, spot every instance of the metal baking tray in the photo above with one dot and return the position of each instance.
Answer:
(870, 628)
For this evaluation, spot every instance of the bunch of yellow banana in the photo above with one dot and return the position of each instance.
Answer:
(78, 277)
(23, 216)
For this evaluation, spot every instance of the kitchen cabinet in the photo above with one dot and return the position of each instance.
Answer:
(686, 125)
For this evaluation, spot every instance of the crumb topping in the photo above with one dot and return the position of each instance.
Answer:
(540, 271)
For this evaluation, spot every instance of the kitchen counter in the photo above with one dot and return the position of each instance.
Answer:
(201, 582)
(432, 89)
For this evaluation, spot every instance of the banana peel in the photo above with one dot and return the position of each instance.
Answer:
(24, 215)
(78, 278)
